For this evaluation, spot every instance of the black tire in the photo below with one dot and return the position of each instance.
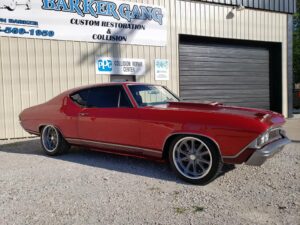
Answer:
(53, 142)
(208, 156)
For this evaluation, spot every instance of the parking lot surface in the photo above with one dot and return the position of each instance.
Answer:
(87, 187)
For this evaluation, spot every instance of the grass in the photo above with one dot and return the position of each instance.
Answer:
(155, 189)
(198, 209)
(180, 210)
(176, 193)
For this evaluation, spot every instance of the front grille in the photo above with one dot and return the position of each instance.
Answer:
(275, 134)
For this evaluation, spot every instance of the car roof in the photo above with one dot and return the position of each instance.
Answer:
(106, 84)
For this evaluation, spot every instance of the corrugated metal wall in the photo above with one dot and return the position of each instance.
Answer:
(32, 71)
(288, 6)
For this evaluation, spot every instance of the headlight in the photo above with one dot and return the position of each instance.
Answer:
(263, 139)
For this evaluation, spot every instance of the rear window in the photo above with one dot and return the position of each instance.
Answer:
(80, 97)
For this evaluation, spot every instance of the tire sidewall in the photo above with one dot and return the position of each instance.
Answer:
(215, 167)
(59, 140)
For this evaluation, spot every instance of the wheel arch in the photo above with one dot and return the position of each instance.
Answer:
(41, 126)
(171, 137)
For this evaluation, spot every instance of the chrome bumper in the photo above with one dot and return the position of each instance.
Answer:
(260, 155)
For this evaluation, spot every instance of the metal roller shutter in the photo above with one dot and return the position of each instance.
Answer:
(231, 74)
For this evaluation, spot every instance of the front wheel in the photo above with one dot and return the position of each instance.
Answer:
(53, 142)
(195, 160)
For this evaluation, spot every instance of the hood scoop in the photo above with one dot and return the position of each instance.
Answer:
(205, 104)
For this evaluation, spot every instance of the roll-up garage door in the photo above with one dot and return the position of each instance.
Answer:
(227, 73)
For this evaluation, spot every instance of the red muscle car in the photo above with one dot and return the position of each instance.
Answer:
(149, 121)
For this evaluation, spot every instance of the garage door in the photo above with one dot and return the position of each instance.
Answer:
(231, 74)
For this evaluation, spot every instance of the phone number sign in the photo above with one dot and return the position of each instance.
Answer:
(84, 20)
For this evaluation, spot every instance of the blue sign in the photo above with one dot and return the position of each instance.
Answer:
(104, 65)
(120, 66)
(106, 8)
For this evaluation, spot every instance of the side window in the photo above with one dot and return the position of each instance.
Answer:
(80, 97)
(108, 97)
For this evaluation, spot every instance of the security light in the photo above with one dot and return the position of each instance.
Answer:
(240, 7)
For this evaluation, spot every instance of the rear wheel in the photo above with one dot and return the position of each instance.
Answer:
(53, 142)
(195, 160)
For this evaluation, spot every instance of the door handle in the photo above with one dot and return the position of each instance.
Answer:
(83, 114)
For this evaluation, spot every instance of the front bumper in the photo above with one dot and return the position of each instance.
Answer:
(261, 155)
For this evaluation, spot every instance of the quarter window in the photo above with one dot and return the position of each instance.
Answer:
(80, 97)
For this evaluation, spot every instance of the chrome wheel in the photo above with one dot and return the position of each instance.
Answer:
(192, 158)
(50, 138)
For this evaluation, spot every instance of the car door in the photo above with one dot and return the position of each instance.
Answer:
(109, 117)
(156, 122)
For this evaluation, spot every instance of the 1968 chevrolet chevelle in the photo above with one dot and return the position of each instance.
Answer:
(148, 121)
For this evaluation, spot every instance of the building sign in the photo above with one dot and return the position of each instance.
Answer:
(114, 66)
(84, 20)
(161, 69)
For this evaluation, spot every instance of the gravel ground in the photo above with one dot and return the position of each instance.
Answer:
(86, 187)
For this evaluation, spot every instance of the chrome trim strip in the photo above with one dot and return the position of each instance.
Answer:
(103, 144)
(125, 88)
(239, 153)
(265, 117)
(136, 104)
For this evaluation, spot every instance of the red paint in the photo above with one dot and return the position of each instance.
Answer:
(232, 128)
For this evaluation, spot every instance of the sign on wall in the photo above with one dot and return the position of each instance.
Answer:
(84, 20)
(162, 69)
(115, 66)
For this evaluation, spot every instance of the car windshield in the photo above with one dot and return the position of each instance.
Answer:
(148, 95)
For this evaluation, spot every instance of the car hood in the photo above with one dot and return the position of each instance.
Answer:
(268, 117)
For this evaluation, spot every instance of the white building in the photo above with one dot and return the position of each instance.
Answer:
(231, 51)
